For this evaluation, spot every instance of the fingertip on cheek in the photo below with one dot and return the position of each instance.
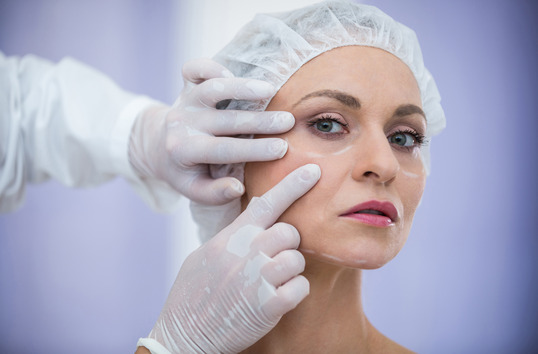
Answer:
(310, 173)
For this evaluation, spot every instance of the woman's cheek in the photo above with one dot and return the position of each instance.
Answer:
(260, 177)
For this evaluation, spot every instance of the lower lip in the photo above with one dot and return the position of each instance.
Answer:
(371, 219)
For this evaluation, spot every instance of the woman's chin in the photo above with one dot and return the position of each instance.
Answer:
(366, 258)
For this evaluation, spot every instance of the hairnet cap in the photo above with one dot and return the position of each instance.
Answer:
(272, 47)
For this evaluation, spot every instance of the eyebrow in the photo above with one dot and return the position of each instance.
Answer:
(409, 109)
(342, 97)
(353, 102)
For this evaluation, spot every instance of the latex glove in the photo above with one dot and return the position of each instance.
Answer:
(235, 288)
(176, 144)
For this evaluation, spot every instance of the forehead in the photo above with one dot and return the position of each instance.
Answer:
(370, 73)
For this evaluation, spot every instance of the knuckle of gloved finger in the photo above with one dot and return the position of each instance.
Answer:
(259, 207)
(215, 247)
(232, 118)
(287, 264)
(173, 145)
(194, 150)
(211, 89)
(224, 149)
(214, 120)
(173, 115)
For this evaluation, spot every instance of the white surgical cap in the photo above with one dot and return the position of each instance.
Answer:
(272, 47)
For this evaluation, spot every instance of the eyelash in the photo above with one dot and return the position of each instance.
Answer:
(329, 136)
(420, 140)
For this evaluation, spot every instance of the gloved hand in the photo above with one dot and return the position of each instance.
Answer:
(176, 144)
(235, 288)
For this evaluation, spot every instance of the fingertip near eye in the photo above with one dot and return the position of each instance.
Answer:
(284, 121)
(277, 122)
(277, 148)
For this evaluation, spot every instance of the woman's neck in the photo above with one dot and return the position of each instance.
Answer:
(329, 320)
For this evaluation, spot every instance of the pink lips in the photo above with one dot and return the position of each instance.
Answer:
(373, 212)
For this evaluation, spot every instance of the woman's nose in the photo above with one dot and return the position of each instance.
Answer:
(375, 159)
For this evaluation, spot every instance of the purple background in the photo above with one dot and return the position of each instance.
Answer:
(84, 270)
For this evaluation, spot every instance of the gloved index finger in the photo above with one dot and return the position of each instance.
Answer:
(213, 91)
(265, 210)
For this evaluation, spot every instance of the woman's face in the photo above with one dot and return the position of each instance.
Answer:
(358, 116)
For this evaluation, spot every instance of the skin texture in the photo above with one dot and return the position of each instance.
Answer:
(361, 159)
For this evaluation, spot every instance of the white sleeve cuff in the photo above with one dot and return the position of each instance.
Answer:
(119, 144)
(152, 345)
(157, 194)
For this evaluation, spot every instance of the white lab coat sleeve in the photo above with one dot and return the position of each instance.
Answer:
(67, 122)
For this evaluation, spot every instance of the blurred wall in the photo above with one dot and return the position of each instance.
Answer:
(88, 270)
(84, 271)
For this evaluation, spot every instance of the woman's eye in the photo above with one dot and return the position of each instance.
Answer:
(403, 139)
(328, 126)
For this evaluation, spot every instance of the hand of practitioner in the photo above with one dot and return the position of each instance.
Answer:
(234, 289)
(176, 144)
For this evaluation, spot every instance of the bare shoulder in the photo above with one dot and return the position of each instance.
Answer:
(379, 343)
(393, 347)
